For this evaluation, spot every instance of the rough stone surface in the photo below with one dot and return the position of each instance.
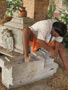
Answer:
(6, 39)
(11, 33)
(16, 72)
(9, 53)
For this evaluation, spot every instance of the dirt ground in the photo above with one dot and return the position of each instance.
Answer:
(59, 81)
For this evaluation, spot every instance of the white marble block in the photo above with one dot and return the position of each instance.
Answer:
(16, 72)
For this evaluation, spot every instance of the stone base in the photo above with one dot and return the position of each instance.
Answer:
(15, 72)
(11, 33)
(9, 53)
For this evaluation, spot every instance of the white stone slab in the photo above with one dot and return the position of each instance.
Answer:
(19, 23)
(15, 72)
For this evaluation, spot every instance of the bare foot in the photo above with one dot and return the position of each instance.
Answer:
(27, 59)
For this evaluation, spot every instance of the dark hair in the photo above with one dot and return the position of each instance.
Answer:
(60, 28)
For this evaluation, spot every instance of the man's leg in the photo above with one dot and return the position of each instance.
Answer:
(63, 57)
(27, 37)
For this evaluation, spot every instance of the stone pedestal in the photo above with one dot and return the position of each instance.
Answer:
(11, 33)
(15, 72)
(36, 9)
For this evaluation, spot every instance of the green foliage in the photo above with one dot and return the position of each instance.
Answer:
(12, 6)
(51, 10)
(63, 16)
(65, 1)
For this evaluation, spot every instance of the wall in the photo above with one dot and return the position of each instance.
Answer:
(36, 9)
(2, 7)
(29, 4)
(41, 9)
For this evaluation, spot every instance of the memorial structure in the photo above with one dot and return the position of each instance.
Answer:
(16, 72)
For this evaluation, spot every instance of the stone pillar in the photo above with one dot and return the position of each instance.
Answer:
(2, 7)
(36, 9)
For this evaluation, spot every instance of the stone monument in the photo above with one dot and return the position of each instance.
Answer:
(11, 32)
(16, 72)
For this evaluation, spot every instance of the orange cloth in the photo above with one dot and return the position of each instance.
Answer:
(52, 44)
(35, 46)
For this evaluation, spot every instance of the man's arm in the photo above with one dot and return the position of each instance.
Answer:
(53, 51)
(57, 45)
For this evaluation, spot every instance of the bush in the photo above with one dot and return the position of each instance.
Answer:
(12, 6)
(63, 16)
(51, 11)
(65, 1)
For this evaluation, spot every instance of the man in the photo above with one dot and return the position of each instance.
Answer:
(47, 35)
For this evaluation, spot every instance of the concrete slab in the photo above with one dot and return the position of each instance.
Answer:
(15, 72)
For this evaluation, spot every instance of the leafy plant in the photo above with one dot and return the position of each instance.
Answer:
(51, 10)
(63, 16)
(65, 1)
(12, 6)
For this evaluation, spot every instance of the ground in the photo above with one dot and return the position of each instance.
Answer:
(59, 81)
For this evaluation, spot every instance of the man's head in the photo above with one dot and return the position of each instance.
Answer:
(59, 29)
